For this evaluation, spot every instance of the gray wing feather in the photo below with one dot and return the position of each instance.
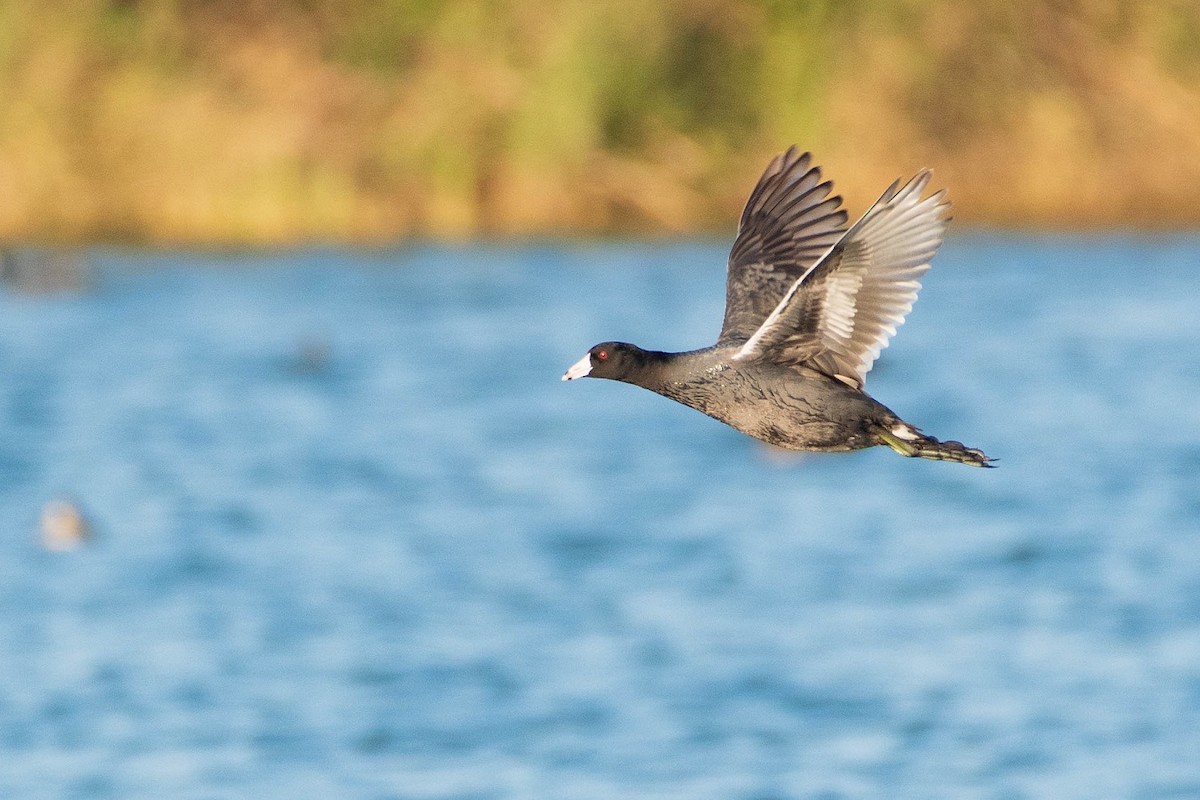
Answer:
(790, 220)
(842, 313)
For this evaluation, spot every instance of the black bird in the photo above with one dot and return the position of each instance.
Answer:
(809, 303)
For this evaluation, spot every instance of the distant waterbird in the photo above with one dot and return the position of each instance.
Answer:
(312, 356)
(64, 526)
(809, 305)
(44, 270)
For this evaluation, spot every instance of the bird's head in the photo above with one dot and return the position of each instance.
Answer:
(613, 360)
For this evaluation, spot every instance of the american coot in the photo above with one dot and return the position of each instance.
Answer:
(809, 303)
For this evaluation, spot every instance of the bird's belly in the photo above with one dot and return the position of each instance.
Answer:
(801, 430)
(798, 415)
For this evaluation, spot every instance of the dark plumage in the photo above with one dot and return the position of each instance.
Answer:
(809, 306)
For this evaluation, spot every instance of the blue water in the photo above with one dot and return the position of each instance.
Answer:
(355, 539)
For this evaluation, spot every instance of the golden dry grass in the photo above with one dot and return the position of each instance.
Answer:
(272, 122)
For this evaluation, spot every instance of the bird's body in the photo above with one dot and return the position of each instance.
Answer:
(799, 409)
(809, 305)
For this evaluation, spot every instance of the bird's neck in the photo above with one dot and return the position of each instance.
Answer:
(663, 372)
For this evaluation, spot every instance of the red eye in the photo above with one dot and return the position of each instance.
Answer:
(602, 355)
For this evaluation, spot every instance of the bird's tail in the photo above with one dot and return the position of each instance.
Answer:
(908, 441)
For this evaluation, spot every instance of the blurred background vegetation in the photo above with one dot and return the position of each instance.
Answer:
(276, 121)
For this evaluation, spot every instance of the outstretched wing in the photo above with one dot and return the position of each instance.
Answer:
(788, 223)
(843, 312)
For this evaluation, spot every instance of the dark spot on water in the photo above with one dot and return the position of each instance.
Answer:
(926, 586)
(312, 357)
(1023, 554)
(381, 677)
(200, 565)
(281, 740)
(521, 602)
(1020, 758)
(29, 404)
(919, 728)
(656, 654)
(574, 551)
(236, 519)
(195, 696)
(108, 675)
(376, 740)
(16, 467)
(578, 717)
(112, 684)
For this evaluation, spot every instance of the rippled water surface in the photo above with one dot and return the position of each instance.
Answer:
(355, 539)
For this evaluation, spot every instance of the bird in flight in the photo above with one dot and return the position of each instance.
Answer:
(809, 305)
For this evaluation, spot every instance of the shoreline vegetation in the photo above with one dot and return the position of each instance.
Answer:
(268, 123)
